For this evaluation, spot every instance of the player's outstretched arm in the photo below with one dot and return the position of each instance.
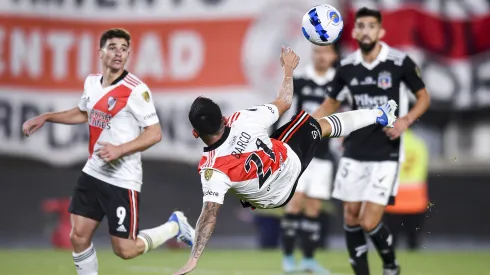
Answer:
(204, 230)
(69, 117)
(151, 135)
(289, 61)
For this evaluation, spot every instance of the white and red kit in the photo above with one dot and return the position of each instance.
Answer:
(117, 114)
(260, 170)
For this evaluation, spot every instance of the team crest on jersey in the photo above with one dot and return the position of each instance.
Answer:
(208, 174)
(111, 103)
(146, 96)
(384, 80)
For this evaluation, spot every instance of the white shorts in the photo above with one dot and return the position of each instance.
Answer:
(373, 181)
(316, 180)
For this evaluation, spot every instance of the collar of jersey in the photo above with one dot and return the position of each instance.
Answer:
(382, 56)
(121, 77)
(218, 143)
(319, 80)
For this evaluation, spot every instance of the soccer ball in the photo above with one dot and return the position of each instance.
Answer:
(322, 25)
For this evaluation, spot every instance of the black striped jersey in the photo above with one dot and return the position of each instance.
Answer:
(390, 76)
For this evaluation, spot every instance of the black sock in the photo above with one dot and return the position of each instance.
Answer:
(289, 228)
(310, 229)
(383, 241)
(357, 246)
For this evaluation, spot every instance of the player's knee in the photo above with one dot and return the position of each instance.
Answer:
(351, 215)
(351, 219)
(125, 249)
(124, 252)
(312, 208)
(79, 240)
(368, 224)
(294, 206)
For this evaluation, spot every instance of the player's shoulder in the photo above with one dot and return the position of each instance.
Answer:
(208, 173)
(92, 79)
(230, 120)
(134, 82)
(259, 110)
(208, 170)
(395, 55)
(349, 60)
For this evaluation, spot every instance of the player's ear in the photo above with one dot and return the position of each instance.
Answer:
(382, 33)
(195, 134)
(101, 53)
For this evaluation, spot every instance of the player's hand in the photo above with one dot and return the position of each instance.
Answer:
(33, 124)
(400, 126)
(289, 58)
(108, 152)
(188, 267)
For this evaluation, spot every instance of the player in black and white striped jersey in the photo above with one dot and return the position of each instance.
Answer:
(367, 175)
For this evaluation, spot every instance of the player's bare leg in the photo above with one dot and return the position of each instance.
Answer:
(312, 207)
(370, 221)
(84, 256)
(149, 239)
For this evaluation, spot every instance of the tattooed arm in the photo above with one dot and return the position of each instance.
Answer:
(204, 229)
(285, 95)
(289, 61)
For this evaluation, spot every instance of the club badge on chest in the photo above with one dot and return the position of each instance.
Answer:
(384, 80)
(111, 102)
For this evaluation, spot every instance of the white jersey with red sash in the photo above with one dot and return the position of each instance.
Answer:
(258, 169)
(117, 114)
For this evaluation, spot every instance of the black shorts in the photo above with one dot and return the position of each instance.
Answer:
(303, 134)
(94, 199)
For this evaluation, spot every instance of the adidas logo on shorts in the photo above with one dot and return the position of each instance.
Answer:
(121, 228)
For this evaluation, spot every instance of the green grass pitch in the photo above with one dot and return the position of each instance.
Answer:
(236, 262)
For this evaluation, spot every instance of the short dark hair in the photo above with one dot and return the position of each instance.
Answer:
(205, 116)
(365, 12)
(114, 33)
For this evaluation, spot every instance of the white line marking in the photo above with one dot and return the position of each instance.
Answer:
(203, 271)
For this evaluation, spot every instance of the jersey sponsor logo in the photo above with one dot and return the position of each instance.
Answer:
(149, 116)
(111, 103)
(309, 91)
(270, 108)
(146, 96)
(208, 174)
(99, 119)
(365, 101)
(211, 193)
(384, 80)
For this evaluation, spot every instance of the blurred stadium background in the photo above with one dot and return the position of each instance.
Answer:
(228, 50)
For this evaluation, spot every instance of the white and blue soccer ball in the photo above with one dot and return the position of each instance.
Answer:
(322, 25)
